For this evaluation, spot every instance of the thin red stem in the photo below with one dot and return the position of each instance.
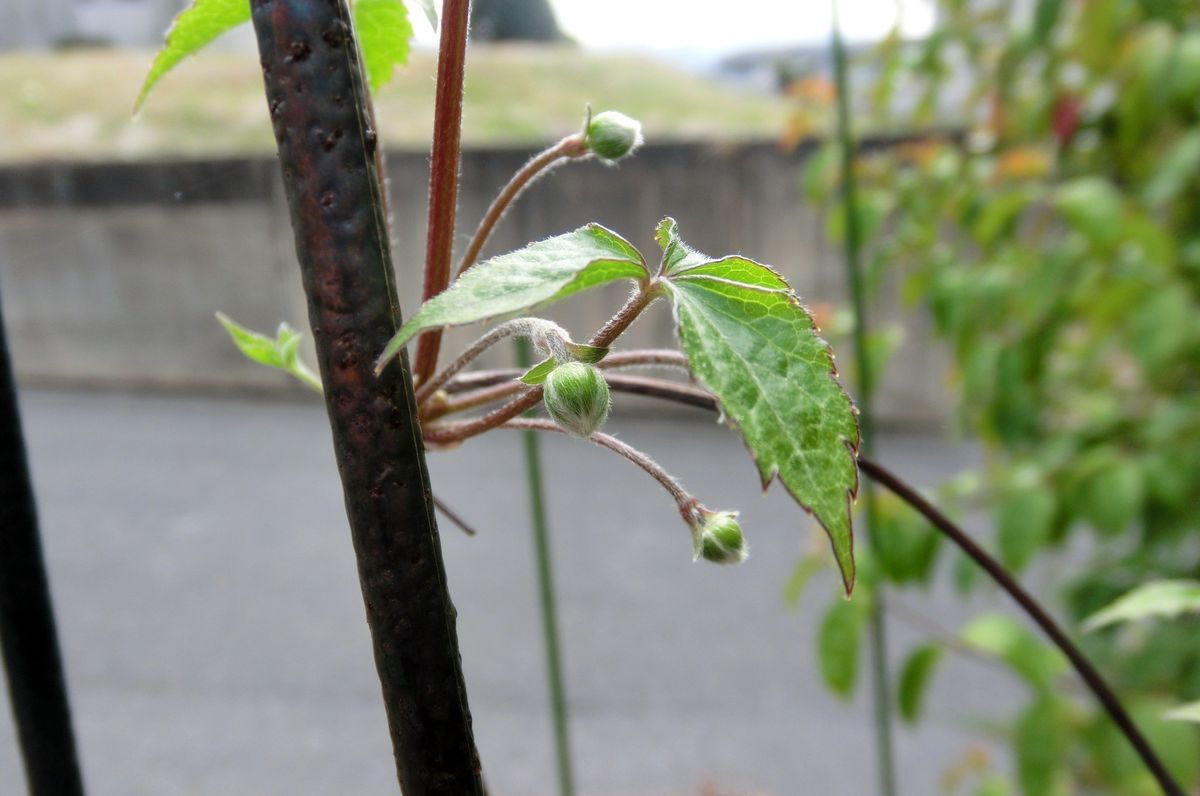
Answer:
(444, 166)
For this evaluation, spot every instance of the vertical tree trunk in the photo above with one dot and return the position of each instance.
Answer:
(323, 125)
(36, 686)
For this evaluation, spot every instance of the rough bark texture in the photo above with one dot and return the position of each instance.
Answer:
(36, 686)
(322, 121)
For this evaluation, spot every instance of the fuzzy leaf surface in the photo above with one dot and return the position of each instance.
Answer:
(753, 345)
(385, 36)
(194, 27)
(540, 274)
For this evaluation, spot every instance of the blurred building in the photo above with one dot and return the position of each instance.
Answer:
(44, 24)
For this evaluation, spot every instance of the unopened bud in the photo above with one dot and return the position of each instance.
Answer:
(717, 537)
(612, 135)
(576, 396)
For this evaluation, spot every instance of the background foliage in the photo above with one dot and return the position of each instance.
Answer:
(1050, 225)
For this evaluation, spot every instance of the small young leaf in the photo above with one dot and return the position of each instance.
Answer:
(282, 353)
(914, 679)
(837, 645)
(1163, 598)
(540, 274)
(538, 373)
(193, 28)
(752, 344)
(385, 35)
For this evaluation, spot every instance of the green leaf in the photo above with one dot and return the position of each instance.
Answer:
(1041, 746)
(196, 26)
(1112, 497)
(752, 344)
(1093, 206)
(837, 645)
(1174, 171)
(904, 544)
(540, 274)
(914, 680)
(385, 35)
(1188, 712)
(802, 573)
(1024, 522)
(1165, 599)
(1003, 637)
(538, 373)
(282, 353)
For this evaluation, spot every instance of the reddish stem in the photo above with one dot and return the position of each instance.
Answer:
(444, 166)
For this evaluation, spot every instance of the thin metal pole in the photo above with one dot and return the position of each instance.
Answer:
(36, 685)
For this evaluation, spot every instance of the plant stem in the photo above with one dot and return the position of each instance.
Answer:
(453, 516)
(1103, 692)
(546, 596)
(691, 396)
(317, 96)
(880, 681)
(683, 499)
(443, 434)
(444, 166)
(28, 639)
(525, 326)
(570, 147)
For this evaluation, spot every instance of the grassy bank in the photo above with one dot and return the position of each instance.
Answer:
(76, 105)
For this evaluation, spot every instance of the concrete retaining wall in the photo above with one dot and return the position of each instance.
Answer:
(110, 273)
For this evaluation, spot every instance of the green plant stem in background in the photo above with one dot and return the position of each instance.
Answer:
(546, 598)
(881, 690)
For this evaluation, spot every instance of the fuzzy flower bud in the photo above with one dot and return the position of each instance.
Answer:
(717, 537)
(612, 135)
(576, 397)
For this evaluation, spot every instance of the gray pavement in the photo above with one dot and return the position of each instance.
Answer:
(215, 640)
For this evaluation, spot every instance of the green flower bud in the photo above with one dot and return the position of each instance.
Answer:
(717, 537)
(612, 135)
(576, 396)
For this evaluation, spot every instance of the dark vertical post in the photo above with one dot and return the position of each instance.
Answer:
(319, 107)
(36, 685)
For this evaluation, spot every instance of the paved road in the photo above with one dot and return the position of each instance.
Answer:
(215, 640)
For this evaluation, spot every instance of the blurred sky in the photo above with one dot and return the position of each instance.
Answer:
(717, 28)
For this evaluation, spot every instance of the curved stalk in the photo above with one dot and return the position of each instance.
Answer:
(570, 147)
(450, 433)
(1027, 602)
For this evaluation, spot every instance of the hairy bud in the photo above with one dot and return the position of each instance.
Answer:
(612, 135)
(717, 537)
(576, 397)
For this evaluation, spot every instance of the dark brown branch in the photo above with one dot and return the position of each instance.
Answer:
(37, 688)
(318, 102)
(443, 174)
(1091, 677)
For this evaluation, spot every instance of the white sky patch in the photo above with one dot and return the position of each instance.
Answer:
(720, 26)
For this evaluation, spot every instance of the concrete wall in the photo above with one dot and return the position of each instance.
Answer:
(110, 273)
